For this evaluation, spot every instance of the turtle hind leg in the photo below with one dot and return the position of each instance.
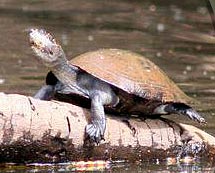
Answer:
(181, 109)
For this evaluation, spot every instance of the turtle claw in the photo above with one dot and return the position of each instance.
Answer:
(192, 114)
(95, 132)
(181, 109)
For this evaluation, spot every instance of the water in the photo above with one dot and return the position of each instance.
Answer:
(177, 36)
(119, 168)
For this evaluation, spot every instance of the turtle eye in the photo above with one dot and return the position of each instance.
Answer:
(51, 52)
(32, 43)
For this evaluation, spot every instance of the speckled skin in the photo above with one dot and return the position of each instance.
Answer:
(115, 80)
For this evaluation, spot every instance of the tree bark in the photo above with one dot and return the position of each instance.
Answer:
(52, 131)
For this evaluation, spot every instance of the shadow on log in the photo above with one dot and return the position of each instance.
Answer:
(51, 131)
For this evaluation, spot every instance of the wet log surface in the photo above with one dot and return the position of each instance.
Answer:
(51, 131)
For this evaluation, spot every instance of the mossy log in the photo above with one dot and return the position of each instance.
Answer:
(52, 131)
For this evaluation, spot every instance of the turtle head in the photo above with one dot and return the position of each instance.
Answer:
(48, 51)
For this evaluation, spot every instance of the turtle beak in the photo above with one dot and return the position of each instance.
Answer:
(34, 39)
(41, 39)
(38, 40)
(45, 47)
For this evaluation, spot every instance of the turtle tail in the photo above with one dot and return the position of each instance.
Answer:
(181, 109)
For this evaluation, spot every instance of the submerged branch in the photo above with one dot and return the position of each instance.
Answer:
(51, 131)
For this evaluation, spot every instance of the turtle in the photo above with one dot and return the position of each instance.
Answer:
(111, 80)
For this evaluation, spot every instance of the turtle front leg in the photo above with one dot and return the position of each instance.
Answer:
(46, 92)
(96, 128)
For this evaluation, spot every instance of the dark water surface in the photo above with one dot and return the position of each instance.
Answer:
(176, 35)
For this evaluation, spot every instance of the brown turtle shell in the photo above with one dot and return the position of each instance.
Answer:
(130, 72)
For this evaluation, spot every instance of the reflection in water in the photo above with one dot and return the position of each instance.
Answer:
(114, 167)
(176, 36)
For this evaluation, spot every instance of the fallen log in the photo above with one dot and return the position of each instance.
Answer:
(52, 131)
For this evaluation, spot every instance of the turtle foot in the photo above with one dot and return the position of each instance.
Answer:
(192, 114)
(95, 132)
(182, 109)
